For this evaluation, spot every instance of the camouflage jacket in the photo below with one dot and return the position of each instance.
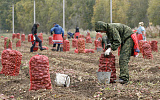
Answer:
(117, 33)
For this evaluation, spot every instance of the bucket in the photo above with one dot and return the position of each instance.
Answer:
(104, 77)
(62, 80)
(99, 49)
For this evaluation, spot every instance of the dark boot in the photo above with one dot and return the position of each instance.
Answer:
(42, 49)
(58, 47)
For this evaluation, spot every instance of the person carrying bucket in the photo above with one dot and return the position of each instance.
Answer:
(120, 34)
(36, 38)
(57, 36)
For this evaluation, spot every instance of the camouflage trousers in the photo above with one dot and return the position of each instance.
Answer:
(125, 54)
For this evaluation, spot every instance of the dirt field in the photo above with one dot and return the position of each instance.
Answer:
(144, 81)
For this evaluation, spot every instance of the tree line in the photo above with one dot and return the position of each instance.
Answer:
(81, 13)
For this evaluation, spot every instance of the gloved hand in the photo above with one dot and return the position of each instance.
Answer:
(107, 52)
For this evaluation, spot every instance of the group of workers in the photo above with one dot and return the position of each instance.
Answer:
(116, 34)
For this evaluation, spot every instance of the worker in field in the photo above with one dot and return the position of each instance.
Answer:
(36, 38)
(57, 36)
(141, 31)
(76, 34)
(119, 34)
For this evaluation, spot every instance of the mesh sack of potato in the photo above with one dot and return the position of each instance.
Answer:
(147, 51)
(11, 61)
(74, 43)
(50, 40)
(39, 73)
(23, 37)
(18, 35)
(7, 43)
(18, 43)
(81, 45)
(66, 45)
(154, 45)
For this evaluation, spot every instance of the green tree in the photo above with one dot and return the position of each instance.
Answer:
(154, 11)
(5, 15)
(137, 12)
(24, 12)
(101, 11)
(119, 11)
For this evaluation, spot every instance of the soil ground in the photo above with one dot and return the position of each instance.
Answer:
(144, 81)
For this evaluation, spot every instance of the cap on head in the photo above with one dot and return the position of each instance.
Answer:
(141, 23)
(38, 24)
(100, 26)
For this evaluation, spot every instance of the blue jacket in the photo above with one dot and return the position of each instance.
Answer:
(57, 30)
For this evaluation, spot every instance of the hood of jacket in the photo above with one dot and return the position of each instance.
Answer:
(56, 25)
(100, 26)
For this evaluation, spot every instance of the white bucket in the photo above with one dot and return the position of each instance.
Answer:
(62, 80)
(104, 77)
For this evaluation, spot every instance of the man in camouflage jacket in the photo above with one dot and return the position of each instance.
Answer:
(118, 34)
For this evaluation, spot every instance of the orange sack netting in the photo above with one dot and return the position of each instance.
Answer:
(41, 36)
(81, 45)
(39, 73)
(18, 35)
(18, 44)
(147, 51)
(74, 43)
(50, 40)
(66, 45)
(107, 64)
(154, 45)
(14, 36)
(7, 43)
(23, 37)
(11, 61)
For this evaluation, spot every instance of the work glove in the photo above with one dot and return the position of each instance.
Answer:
(107, 52)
